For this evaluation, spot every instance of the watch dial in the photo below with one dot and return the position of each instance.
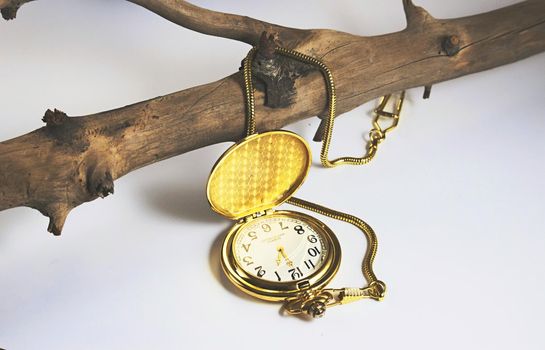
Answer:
(279, 249)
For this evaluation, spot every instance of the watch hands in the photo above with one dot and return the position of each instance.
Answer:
(282, 254)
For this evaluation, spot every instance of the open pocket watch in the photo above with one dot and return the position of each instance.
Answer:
(281, 255)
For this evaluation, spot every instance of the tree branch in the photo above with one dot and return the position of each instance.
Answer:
(225, 25)
(73, 160)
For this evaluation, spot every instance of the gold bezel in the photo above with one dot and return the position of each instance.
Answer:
(277, 291)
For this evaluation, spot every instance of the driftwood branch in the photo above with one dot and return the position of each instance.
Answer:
(73, 160)
(240, 28)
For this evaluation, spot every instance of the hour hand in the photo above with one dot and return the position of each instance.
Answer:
(282, 255)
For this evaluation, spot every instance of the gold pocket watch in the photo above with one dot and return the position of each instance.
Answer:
(282, 255)
(279, 255)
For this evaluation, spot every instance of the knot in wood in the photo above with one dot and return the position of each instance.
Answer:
(451, 45)
(55, 117)
(276, 74)
(267, 45)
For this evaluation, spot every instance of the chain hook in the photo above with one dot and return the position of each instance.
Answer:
(378, 133)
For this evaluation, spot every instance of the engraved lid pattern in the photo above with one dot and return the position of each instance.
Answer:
(259, 173)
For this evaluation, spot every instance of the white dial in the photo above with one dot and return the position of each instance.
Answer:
(279, 249)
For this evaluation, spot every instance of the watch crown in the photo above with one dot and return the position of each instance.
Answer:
(316, 308)
(312, 302)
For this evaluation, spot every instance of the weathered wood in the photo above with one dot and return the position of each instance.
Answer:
(9, 8)
(73, 160)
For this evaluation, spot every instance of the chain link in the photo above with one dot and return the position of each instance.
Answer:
(249, 92)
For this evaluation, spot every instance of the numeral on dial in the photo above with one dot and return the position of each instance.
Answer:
(248, 260)
(277, 276)
(252, 235)
(313, 251)
(282, 226)
(246, 247)
(295, 273)
(309, 264)
(312, 239)
(299, 229)
(266, 228)
(260, 271)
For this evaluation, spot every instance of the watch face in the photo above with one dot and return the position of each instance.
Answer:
(280, 249)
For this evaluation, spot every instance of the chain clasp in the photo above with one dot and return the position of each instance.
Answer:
(378, 133)
(315, 302)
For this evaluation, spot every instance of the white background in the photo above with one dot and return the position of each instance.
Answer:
(456, 195)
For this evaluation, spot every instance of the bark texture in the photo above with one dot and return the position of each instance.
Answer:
(73, 160)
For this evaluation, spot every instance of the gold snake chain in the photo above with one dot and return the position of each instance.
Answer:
(328, 297)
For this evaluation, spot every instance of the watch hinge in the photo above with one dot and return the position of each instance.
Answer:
(258, 214)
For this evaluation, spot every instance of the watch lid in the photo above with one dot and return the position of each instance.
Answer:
(258, 173)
